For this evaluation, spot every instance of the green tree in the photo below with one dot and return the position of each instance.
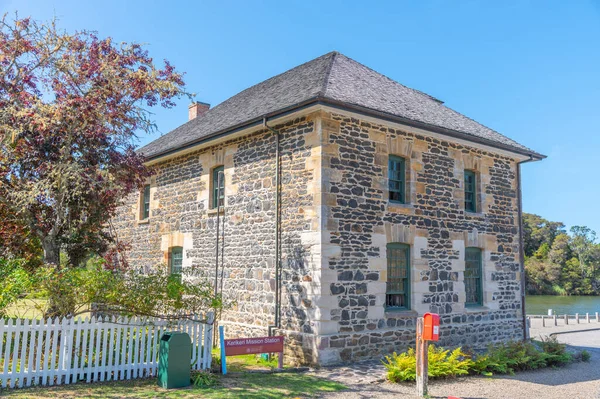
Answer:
(572, 281)
(72, 105)
(560, 251)
(584, 247)
(542, 252)
(537, 231)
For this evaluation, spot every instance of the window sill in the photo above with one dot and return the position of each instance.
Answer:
(143, 221)
(400, 313)
(400, 204)
(476, 309)
(474, 214)
(215, 211)
(397, 206)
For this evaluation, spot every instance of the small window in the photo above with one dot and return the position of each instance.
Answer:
(398, 276)
(470, 191)
(146, 202)
(473, 273)
(176, 260)
(218, 184)
(397, 179)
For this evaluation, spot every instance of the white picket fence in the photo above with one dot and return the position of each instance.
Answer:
(54, 352)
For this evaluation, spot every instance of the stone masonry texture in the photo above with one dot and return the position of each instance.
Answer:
(336, 222)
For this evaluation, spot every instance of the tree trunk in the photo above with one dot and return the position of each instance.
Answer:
(52, 256)
(51, 250)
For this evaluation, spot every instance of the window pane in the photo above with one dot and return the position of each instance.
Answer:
(146, 205)
(176, 260)
(396, 178)
(473, 275)
(398, 281)
(218, 197)
(470, 191)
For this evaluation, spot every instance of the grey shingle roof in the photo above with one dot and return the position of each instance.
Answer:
(335, 77)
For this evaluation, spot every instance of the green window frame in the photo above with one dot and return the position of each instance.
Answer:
(218, 195)
(397, 293)
(146, 202)
(470, 191)
(473, 274)
(397, 179)
(176, 260)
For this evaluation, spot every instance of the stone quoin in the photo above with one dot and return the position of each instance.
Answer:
(391, 205)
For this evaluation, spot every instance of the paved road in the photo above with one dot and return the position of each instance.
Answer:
(590, 340)
(578, 380)
(537, 330)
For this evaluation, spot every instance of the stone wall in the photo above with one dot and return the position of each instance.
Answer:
(360, 222)
(336, 222)
(180, 215)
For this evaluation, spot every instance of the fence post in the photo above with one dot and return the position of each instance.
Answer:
(7, 347)
(223, 354)
(208, 333)
(23, 358)
(543, 321)
(555, 321)
(577, 317)
(566, 320)
(587, 317)
(597, 319)
(69, 333)
(15, 357)
(38, 354)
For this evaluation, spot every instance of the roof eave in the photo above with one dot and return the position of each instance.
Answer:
(236, 128)
(353, 108)
(433, 128)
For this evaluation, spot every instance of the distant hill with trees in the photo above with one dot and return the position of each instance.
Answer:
(558, 262)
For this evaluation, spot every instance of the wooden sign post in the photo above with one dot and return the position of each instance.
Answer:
(245, 346)
(428, 329)
(422, 360)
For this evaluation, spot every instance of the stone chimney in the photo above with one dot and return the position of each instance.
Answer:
(197, 109)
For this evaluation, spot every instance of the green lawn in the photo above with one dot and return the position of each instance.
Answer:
(26, 309)
(246, 385)
(247, 362)
(31, 309)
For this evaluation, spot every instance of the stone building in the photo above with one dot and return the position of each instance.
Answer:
(352, 204)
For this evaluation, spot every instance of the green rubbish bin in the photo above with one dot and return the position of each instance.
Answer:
(174, 360)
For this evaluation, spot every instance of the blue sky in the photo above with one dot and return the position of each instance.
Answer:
(528, 69)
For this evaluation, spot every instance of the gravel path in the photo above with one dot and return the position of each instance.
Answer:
(578, 380)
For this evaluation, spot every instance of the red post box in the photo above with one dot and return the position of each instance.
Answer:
(431, 327)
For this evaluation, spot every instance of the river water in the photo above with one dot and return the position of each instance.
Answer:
(539, 304)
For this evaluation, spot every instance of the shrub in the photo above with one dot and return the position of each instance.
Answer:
(503, 358)
(556, 353)
(215, 364)
(70, 291)
(442, 364)
(203, 379)
(401, 367)
(15, 282)
(585, 355)
(506, 358)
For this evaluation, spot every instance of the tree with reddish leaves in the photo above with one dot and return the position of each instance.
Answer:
(71, 106)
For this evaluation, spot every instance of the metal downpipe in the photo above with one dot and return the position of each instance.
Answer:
(522, 242)
(277, 323)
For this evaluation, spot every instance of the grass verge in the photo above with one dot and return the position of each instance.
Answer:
(246, 385)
